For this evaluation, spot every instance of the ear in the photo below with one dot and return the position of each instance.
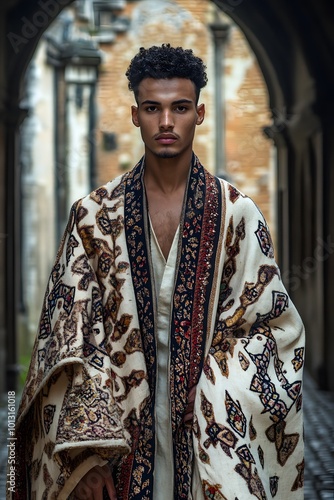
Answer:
(200, 114)
(134, 114)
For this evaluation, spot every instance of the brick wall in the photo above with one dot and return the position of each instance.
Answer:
(249, 154)
(115, 100)
(185, 23)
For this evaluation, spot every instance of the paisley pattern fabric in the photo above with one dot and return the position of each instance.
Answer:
(89, 398)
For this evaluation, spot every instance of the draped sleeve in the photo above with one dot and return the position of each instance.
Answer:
(87, 371)
(248, 427)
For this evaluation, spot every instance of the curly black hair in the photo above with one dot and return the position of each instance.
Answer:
(166, 62)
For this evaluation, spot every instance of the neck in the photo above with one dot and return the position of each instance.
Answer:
(166, 174)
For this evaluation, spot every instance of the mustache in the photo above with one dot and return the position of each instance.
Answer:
(166, 135)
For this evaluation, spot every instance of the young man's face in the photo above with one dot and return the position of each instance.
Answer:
(167, 115)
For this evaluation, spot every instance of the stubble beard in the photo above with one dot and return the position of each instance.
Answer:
(167, 154)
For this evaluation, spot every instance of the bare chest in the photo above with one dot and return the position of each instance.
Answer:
(165, 219)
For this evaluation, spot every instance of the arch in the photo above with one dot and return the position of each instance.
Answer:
(26, 23)
(276, 32)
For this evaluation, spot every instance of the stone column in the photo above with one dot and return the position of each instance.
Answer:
(80, 83)
(301, 239)
(13, 118)
(328, 245)
(220, 33)
(3, 234)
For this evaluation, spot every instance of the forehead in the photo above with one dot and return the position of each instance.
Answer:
(167, 89)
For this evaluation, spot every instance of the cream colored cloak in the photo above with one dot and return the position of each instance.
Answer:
(234, 333)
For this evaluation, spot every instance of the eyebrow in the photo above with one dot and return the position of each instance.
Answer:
(179, 101)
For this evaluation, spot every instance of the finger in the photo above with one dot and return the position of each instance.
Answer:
(188, 417)
(111, 488)
(98, 494)
(192, 394)
(82, 492)
(105, 472)
(95, 482)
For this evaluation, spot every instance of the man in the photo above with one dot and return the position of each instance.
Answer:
(169, 358)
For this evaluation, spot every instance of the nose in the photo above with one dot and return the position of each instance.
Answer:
(166, 119)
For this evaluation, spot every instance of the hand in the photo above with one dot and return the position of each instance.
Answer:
(190, 406)
(90, 487)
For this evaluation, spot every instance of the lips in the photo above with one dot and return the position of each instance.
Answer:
(166, 138)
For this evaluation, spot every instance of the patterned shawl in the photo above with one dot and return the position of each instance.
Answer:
(90, 392)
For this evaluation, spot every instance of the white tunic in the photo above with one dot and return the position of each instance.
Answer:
(164, 276)
(164, 273)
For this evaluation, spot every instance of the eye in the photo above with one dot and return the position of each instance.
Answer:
(151, 109)
(181, 108)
